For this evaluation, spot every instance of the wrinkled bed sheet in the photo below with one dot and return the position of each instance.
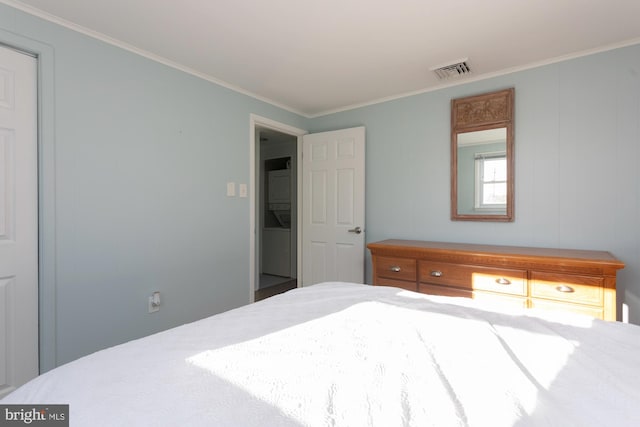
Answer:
(342, 354)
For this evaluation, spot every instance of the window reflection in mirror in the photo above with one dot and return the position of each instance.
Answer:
(482, 167)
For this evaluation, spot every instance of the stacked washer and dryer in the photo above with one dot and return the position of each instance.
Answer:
(276, 255)
(279, 196)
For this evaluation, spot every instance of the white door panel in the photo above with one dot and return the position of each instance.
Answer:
(18, 221)
(333, 206)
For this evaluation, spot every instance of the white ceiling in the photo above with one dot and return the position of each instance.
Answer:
(314, 57)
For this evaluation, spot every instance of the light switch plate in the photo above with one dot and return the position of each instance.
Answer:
(242, 190)
(231, 189)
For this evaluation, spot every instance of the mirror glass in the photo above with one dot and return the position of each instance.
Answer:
(482, 172)
(482, 187)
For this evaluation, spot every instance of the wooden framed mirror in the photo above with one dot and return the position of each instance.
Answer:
(482, 173)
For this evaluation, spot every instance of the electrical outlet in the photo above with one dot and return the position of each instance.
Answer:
(154, 302)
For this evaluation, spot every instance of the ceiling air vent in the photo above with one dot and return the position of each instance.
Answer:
(456, 69)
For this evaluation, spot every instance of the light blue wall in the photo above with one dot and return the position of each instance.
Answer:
(577, 148)
(142, 153)
(135, 157)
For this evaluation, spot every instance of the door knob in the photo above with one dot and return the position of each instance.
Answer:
(356, 230)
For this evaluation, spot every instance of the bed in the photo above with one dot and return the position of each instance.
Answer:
(344, 354)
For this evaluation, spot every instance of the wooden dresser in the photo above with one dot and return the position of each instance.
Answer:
(564, 279)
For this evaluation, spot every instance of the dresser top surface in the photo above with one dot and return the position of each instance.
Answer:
(516, 251)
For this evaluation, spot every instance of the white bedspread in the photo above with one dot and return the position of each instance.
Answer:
(339, 354)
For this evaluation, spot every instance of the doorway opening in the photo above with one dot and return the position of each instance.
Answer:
(275, 246)
(277, 211)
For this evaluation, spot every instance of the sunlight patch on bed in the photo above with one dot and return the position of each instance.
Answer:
(394, 365)
(334, 366)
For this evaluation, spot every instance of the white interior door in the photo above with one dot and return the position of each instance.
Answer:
(18, 220)
(333, 243)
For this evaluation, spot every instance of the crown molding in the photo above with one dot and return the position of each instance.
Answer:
(157, 58)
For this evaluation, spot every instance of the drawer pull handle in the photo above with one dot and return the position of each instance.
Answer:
(503, 281)
(395, 269)
(564, 288)
(436, 273)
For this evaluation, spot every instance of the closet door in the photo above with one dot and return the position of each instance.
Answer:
(18, 220)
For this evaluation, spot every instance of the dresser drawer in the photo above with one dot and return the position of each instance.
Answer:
(593, 311)
(568, 287)
(503, 300)
(396, 268)
(504, 281)
(487, 297)
(446, 291)
(404, 284)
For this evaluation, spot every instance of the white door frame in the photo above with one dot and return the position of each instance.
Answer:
(46, 192)
(256, 122)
